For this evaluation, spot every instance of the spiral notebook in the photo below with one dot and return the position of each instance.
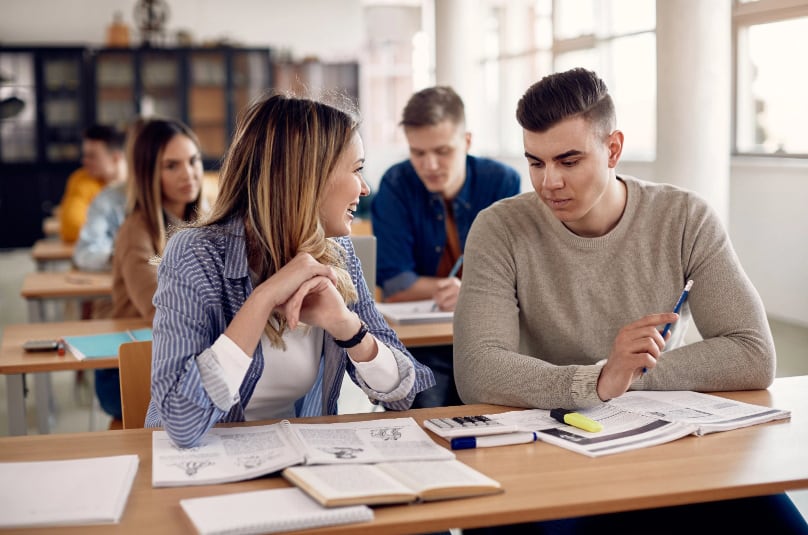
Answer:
(267, 511)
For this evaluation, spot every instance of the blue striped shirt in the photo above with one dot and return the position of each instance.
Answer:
(202, 282)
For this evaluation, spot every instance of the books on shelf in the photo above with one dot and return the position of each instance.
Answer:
(413, 312)
(641, 419)
(267, 511)
(94, 346)
(392, 482)
(238, 453)
(72, 492)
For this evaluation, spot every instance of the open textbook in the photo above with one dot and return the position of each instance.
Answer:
(395, 482)
(643, 418)
(237, 453)
(413, 312)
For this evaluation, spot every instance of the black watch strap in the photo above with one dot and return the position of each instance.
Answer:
(355, 339)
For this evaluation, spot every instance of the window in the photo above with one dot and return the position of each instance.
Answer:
(770, 107)
(615, 38)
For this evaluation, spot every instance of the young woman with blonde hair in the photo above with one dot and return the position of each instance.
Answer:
(263, 307)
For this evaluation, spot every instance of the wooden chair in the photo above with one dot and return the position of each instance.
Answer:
(134, 361)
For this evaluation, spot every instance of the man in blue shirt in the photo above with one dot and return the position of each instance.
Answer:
(422, 213)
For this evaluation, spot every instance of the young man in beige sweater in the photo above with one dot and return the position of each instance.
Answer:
(566, 289)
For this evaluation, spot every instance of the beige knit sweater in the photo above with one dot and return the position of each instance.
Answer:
(540, 306)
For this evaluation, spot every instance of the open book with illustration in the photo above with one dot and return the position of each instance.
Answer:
(238, 453)
(394, 482)
(413, 312)
(640, 419)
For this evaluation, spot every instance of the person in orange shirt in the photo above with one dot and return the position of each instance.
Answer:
(102, 164)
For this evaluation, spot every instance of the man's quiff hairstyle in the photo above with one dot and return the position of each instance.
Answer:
(574, 93)
(432, 106)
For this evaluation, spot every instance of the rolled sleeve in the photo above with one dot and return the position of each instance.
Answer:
(222, 369)
(381, 373)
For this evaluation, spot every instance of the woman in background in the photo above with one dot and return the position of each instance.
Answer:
(164, 192)
(263, 307)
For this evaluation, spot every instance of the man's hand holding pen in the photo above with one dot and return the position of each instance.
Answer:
(637, 346)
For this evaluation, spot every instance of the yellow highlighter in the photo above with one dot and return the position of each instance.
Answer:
(576, 420)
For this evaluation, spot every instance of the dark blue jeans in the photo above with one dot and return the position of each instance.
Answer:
(108, 390)
(444, 393)
(761, 514)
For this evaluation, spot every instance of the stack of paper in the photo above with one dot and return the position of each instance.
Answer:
(65, 493)
(267, 511)
(413, 312)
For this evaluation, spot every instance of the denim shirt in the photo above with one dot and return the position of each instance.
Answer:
(409, 220)
(105, 215)
(202, 282)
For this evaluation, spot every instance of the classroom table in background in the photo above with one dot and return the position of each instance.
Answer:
(49, 251)
(541, 481)
(15, 362)
(42, 286)
(51, 227)
(425, 334)
(361, 227)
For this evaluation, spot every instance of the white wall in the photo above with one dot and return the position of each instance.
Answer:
(332, 29)
(768, 197)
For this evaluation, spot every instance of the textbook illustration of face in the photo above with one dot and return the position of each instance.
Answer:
(438, 154)
(180, 174)
(572, 170)
(342, 192)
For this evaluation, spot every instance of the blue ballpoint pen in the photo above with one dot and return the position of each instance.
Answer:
(676, 309)
(452, 273)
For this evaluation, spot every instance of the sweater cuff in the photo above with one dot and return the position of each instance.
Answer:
(584, 388)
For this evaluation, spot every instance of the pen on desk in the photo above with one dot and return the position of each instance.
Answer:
(452, 273)
(676, 309)
(488, 441)
(576, 420)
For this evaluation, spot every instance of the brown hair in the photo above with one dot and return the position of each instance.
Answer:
(145, 191)
(432, 106)
(554, 98)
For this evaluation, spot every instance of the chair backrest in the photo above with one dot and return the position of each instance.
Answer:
(365, 247)
(134, 362)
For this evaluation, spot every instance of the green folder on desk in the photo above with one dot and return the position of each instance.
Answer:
(96, 346)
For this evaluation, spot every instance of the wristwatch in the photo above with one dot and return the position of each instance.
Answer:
(355, 339)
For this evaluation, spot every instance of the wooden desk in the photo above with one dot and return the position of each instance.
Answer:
(46, 251)
(425, 334)
(39, 287)
(14, 362)
(541, 481)
(51, 227)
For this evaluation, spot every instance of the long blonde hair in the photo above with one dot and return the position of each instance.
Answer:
(274, 177)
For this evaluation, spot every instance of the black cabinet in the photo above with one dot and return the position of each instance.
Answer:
(51, 94)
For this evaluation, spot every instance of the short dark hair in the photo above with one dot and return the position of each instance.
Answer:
(433, 105)
(110, 135)
(559, 96)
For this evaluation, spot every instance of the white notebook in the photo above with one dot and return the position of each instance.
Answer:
(65, 493)
(267, 511)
